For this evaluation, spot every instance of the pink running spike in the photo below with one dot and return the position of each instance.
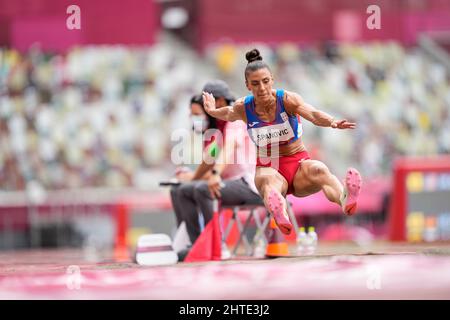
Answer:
(275, 203)
(352, 188)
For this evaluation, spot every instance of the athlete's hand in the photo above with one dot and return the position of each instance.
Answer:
(209, 102)
(214, 185)
(343, 124)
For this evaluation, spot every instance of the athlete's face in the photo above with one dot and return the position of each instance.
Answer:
(260, 83)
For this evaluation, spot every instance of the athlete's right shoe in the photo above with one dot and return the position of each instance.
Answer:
(276, 207)
(352, 188)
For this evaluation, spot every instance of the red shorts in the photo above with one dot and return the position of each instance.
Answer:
(287, 166)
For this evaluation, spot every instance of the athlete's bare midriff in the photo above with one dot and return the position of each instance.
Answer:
(284, 150)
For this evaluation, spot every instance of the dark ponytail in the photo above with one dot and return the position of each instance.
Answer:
(254, 62)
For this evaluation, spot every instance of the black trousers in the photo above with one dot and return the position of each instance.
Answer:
(189, 199)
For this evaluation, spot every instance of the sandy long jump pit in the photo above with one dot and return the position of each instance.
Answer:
(335, 272)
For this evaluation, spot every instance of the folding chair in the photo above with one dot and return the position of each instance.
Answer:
(261, 226)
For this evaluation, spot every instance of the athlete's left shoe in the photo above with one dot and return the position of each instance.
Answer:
(352, 188)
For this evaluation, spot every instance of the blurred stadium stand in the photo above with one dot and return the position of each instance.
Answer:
(92, 110)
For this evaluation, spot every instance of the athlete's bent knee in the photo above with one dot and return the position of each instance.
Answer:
(318, 169)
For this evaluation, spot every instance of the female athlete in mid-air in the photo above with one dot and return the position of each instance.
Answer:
(283, 164)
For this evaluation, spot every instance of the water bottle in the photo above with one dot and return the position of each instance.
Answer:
(311, 241)
(301, 241)
(225, 254)
(260, 249)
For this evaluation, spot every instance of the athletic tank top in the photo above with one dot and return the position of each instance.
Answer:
(284, 130)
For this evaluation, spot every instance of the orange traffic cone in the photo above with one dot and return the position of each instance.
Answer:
(277, 246)
(208, 245)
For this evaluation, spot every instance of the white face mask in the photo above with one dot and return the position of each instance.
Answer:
(200, 123)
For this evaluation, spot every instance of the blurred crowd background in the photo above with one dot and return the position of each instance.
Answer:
(101, 116)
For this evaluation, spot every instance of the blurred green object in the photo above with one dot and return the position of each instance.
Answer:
(213, 149)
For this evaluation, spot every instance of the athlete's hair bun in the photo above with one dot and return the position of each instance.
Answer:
(253, 55)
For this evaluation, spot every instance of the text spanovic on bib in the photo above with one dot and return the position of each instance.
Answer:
(272, 134)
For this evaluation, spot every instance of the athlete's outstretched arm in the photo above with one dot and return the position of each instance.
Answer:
(229, 113)
(294, 104)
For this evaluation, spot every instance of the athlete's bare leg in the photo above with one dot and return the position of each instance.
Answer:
(272, 187)
(313, 176)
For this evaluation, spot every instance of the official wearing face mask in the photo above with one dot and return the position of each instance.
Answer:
(199, 123)
(230, 182)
